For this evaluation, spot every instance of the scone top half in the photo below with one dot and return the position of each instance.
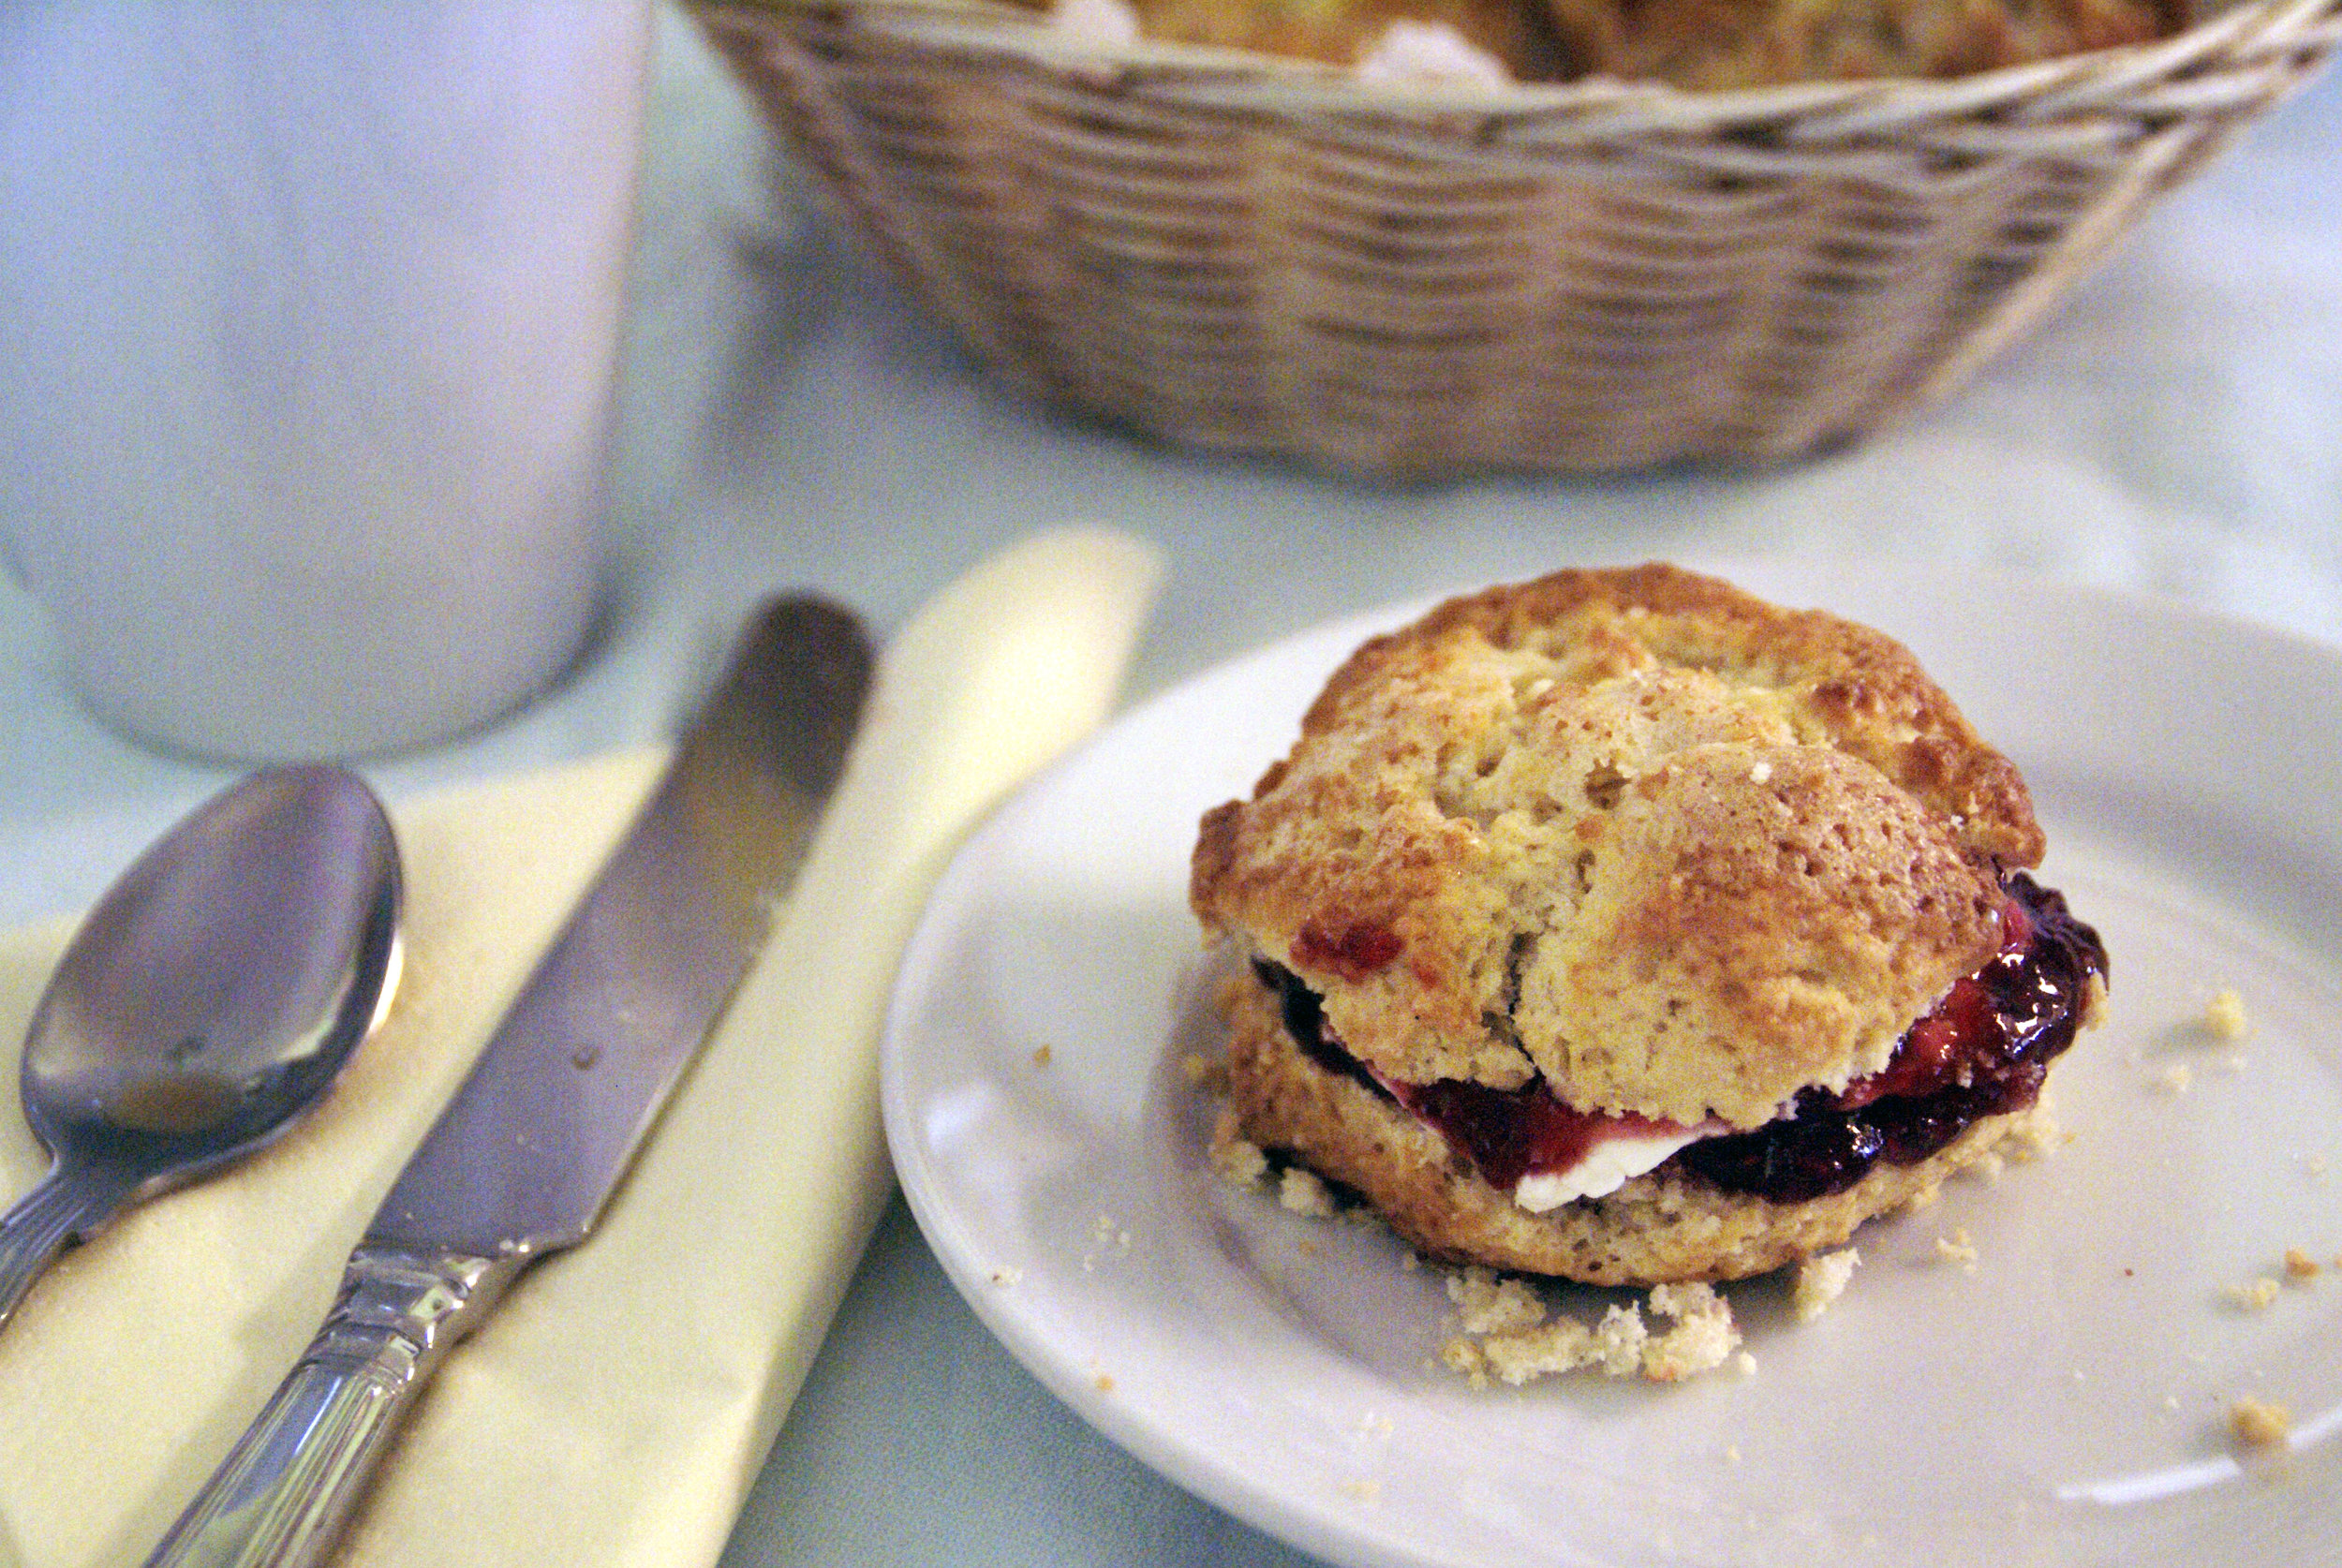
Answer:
(1679, 852)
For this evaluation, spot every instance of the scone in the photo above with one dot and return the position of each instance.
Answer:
(1724, 44)
(1620, 927)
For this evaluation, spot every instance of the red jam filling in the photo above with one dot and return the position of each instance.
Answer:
(1983, 1050)
(1506, 1133)
(1525, 1131)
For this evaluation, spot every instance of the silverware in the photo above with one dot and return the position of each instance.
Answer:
(523, 1160)
(209, 999)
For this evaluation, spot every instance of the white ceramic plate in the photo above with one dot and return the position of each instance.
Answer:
(2064, 1403)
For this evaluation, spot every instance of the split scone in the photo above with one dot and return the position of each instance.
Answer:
(1620, 927)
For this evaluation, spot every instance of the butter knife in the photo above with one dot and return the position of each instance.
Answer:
(524, 1158)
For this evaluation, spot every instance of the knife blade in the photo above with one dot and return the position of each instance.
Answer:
(526, 1156)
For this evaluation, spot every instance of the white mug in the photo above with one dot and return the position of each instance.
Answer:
(309, 318)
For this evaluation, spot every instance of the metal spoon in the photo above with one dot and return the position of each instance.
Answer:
(209, 999)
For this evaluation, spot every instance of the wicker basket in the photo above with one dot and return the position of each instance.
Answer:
(1244, 254)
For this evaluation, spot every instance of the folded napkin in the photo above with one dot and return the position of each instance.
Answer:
(616, 1408)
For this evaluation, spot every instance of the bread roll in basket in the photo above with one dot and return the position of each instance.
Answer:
(1242, 252)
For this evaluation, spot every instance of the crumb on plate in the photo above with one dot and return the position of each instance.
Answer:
(2258, 1423)
(1821, 1280)
(1525, 1344)
(1302, 1192)
(1492, 1303)
(1241, 1162)
(2254, 1296)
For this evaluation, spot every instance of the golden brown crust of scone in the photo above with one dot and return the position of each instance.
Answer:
(1679, 851)
(1659, 1227)
(1725, 44)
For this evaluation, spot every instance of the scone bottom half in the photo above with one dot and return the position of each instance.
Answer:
(1621, 926)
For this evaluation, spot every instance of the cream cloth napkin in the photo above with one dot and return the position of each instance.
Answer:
(617, 1406)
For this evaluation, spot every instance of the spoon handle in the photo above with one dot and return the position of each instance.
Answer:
(70, 1201)
(280, 1499)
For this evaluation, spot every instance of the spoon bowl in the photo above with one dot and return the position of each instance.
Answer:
(210, 997)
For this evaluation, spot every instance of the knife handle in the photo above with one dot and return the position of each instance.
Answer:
(283, 1495)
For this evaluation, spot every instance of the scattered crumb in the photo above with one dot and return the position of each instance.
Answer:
(1241, 1162)
(1041, 1054)
(1362, 1491)
(1376, 1424)
(1616, 1344)
(2317, 1166)
(2171, 1401)
(1410, 1261)
(2299, 1265)
(1491, 1303)
(2175, 1077)
(1701, 1335)
(1702, 1340)
(2259, 1425)
(1561, 1346)
(1106, 1235)
(1007, 1274)
(2253, 1297)
(1958, 1248)
(1744, 1364)
(2224, 1016)
(1103, 1382)
(1461, 1356)
(1302, 1192)
(1821, 1280)
(1731, 1453)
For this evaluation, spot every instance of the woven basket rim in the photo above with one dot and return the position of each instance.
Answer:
(1547, 115)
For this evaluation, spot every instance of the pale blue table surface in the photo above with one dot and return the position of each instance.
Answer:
(787, 418)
